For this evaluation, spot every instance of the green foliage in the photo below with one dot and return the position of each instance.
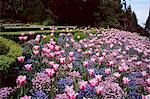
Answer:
(3, 49)
(46, 40)
(79, 35)
(93, 31)
(14, 51)
(48, 22)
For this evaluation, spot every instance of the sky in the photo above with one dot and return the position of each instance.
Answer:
(141, 9)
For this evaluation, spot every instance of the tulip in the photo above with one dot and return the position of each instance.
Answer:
(36, 53)
(25, 97)
(31, 33)
(148, 81)
(85, 63)
(126, 80)
(111, 63)
(21, 59)
(51, 63)
(70, 92)
(36, 47)
(91, 72)
(82, 85)
(55, 67)
(99, 89)
(117, 75)
(98, 78)
(50, 72)
(144, 73)
(120, 69)
(108, 71)
(28, 67)
(71, 54)
(93, 82)
(62, 60)
(21, 80)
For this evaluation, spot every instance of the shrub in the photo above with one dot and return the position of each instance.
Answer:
(79, 35)
(14, 51)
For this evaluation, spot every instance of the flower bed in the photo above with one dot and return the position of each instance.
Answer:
(112, 64)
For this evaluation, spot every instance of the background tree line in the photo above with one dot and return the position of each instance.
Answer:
(106, 13)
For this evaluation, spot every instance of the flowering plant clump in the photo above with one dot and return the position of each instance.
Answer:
(107, 64)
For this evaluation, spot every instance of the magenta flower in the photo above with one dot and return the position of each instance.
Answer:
(82, 85)
(50, 72)
(85, 63)
(117, 75)
(71, 54)
(98, 78)
(25, 97)
(70, 92)
(36, 47)
(28, 67)
(55, 67)
(21, 59)
(93, 82)
(21, 80)
(99, 89)
(108, 71)
(62, 60)
(126, 80)
(91, 71)
(36, 52)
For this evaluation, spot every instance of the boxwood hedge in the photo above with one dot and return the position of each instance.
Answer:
(15, 50)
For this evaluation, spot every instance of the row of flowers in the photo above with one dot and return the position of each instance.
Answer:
(109, 64)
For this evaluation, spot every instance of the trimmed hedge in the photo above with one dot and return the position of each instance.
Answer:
(14, 35)
(15, 50)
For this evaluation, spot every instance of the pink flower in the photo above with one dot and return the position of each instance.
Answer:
(20, 38)
(91, 72)
(93, 82)
(120, 69)
(126, 80)
(148, 81)
(31, 33)
(82, 85)
(50, 72)
(25, 97)
(108, 71)
(71, 54)
(117, 75)
(36, 47)
(67, 45)
(101, 59)
(21, 80)
(57, 48)
(85, 63)
(99, 89)
(51, 55)
(51, 63)
(98, 78)
(110, 63)
(21, 59)
(55, 67)
(36, 53)
(146, 97)
(93, 59)
(144, 73)
(70, 92)
(62, 60)
(28, 67)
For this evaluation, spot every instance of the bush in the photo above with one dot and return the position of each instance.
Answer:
(14, 51)
(79, 35)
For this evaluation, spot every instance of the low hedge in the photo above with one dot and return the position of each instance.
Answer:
(14, 35)
(15, 50)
